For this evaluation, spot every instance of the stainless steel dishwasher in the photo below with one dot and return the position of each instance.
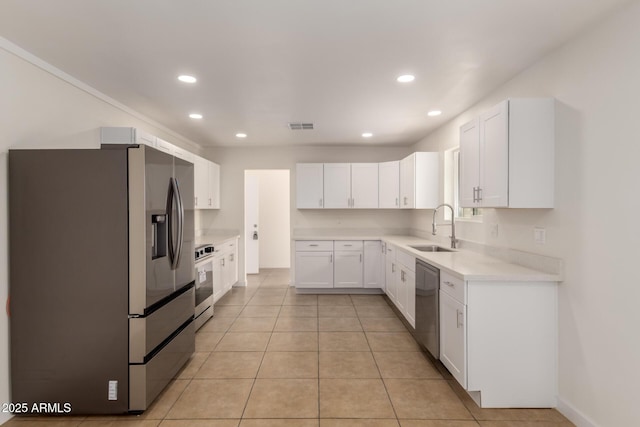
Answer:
(427, 311)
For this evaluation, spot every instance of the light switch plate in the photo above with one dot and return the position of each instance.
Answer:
(539, 235)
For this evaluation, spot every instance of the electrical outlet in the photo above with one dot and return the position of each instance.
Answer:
(539, 235)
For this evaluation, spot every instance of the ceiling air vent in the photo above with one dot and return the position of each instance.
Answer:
(301, 126)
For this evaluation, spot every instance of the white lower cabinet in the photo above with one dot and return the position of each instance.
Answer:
(390, 273)
(373, 275)
(499, 340)
(346, 264)
(400, 282)
(347, 269)
(225, 268)
(453, 337)
(314, 269)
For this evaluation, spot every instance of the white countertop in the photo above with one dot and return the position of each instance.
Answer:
(465, 264)
(215, 238)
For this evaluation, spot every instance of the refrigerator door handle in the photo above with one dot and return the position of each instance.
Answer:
(175, 247)
(172, 246)
(180, 209)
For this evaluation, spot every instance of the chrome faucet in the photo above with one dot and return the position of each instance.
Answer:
(434, 226)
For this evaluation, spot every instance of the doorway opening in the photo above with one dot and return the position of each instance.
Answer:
(267, 223)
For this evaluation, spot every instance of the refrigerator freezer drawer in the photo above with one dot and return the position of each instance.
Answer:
(147, 333)
(146, 381)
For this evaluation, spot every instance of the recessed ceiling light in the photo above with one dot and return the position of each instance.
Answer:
(434, 113)
(241, 135)
(367, 135)
(187, 79)
(195, 115)
(406, 78)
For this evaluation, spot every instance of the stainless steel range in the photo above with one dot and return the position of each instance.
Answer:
(204, 284)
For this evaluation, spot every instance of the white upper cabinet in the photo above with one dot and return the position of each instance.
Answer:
(309, 185)
(469, 162)
(214, 182)
(124, 135)
(507, 156)
(364, 185)
(419, 180)
(411, 183)
(337, 185)
(207, 184)
(350, 185)
(389, 185)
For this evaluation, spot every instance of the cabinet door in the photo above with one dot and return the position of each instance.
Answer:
(337, 185)
(201, 182)
(232, 265)
(218, 286)
(469, 164)
(373, 264)
(309, 186)
(389, 185)
(426, 180)
(410, 285)
(347, 270)
(213, 199)
(453, 337)
(401, 290)
(407, 182)
(494, 156)
(390, 275)
(364, 185)
(314, 269)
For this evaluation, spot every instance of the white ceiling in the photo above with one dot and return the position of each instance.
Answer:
(263, 63)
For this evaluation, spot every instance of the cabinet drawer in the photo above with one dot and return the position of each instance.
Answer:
(453, 286)
(314, 245)
(409, 261)
(348, 245)
(226, 246)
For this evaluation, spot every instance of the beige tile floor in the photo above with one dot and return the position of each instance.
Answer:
(271, 357)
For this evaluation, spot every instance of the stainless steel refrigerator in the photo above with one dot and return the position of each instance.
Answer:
(101, 285)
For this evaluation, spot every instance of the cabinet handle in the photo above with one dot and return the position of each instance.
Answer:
(452, 285)
(479, 194)
(353, 203)
(360, 258)
(231, 257)
(223, 262)
(209, 202)
(348, 245)
(393, 268)
(402, 275)
(384, 247)
(320, 202)
(313, 245)
(396, 201)
(459, 319)
(330, 258)
(405, 201)
(196, 201)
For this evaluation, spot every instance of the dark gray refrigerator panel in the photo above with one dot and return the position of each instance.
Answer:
(69, 277)
(101, 276)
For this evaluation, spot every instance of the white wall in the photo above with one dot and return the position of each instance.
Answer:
(38, 109)
(595, 81)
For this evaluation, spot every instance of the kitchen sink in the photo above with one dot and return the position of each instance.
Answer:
(432, 248)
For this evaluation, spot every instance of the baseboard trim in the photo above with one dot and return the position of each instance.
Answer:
(574, 415)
